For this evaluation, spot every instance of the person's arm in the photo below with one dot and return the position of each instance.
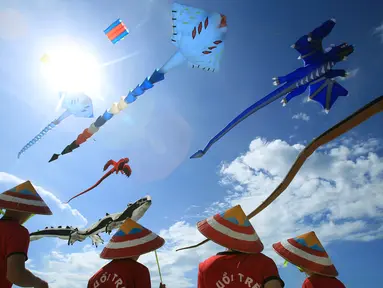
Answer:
(271, 275)
(17, 246)
(17, 273)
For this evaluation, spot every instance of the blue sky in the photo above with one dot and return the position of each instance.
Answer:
(179, 115)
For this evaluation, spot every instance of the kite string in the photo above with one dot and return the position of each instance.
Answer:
(158, 265)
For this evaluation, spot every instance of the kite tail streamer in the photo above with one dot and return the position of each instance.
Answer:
(158, 265)
(363, 114)
(48, 128)
(91, 188)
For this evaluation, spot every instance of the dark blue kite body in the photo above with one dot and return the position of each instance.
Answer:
(316, 74)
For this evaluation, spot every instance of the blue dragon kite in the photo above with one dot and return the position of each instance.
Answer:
(317, 74)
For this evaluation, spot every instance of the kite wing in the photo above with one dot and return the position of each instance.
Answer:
(326, 91)
(185, 19)
(109, 163)
(116, 31)
(199, 36)
(310, 46)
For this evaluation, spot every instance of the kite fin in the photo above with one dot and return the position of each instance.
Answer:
(326, 92)
(296, 92)
(108, 164)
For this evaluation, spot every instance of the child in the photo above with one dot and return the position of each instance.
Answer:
(306, 252)
(243, 264)
(21, 203)
(125, 247)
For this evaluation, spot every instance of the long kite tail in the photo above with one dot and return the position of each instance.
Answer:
(276, 94)
(363, 114)
(107, 174)
(48, 128)
(116, 108)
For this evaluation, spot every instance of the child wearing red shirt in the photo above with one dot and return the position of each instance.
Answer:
(243, 265)
(306, 252)
(20, 203)
(125, 247)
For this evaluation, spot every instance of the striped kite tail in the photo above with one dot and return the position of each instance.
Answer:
(48, 128)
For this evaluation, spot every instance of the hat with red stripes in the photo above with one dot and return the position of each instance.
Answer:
(307, 252)
(233, 230)
(130, 240)
(24, 198)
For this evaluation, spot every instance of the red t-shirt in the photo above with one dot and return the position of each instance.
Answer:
(14, 239)
(318, 281)
(122, 273)
(237, 270)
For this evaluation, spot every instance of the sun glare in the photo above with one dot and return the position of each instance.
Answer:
(71, 69)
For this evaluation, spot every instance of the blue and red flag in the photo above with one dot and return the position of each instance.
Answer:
(116, 31)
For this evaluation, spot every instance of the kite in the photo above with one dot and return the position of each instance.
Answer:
(316, 74)
(105, 225)
(120, 166)
(363, 114)
(45, 59)
(116, 31)
(198, 36)
(76, 104)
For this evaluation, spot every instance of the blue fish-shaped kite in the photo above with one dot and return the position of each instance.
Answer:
(316, 74)
(116, 31)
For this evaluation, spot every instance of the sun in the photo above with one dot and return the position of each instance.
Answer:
(71, 69)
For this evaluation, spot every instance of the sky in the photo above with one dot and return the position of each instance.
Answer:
(337, 193)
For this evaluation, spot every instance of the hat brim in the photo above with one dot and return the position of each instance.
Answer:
(25, 208)
(126, 252)
(304, 263)
(251, 247)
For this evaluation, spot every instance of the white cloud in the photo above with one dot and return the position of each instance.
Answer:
(49, 197)
(337, 193)
(379, 30)
(12, 24)
(71, 269)
(301, 116)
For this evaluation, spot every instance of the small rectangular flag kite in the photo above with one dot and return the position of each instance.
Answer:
(116, 31)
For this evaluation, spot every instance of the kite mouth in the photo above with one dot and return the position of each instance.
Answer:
(346, 50)
(223, 21)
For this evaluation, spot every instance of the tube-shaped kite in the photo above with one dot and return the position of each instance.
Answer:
(198, 35)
